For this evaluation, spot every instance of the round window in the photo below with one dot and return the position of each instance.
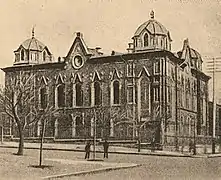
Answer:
(77, 62)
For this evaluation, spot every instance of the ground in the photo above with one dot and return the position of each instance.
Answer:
(152, 167)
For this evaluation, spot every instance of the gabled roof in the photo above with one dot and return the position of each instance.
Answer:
(82, 42)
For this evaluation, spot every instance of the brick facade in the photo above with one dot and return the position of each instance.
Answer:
(151, 89)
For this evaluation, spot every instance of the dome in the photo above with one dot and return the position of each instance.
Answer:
(32, 51)
(195, 54)
(33, 44)
(153, 26)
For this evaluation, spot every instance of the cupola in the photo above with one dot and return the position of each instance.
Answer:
(151, 35)
(32, 51)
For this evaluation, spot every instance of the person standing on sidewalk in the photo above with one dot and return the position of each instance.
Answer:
(106, 146)
(87, 150)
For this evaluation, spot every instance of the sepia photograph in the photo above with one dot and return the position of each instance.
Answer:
(110, 89)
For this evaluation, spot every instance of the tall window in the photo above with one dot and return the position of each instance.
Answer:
(156, 94)
(43, 98)
(79, 126)
(44, 56)
(60, 95)
(157, 67)
(79, 94)
(97, 93)
(130, 94)
(22, 55)
(145, 92)
(34, 56)
(130, 69)
(187, 94)
(146, 40)
(116, 92)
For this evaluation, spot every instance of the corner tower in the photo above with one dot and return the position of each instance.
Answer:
(151, 35)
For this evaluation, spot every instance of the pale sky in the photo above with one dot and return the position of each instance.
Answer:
(109, 24)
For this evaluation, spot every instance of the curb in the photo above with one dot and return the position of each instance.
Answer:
(214, 156)
(90, 172)
(110, 152)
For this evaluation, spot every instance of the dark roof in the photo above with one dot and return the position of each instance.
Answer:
(154, 27)
(34, 66)
(135, 55)
(203, 75)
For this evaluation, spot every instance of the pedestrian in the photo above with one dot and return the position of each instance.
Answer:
(106, 146)
(87, 150)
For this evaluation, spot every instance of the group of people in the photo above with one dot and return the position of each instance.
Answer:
(88, 149)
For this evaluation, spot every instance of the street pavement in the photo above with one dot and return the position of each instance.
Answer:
(150, 167)
(160, 168)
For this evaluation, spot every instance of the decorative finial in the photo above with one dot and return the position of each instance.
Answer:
(152, 14)
(33, 31)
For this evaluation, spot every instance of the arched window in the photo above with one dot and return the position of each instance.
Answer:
(145, 40)
(22, 55)
(43, 98)
(116, 92)
(97, 93)
(79, 94)
(44, 56)
(60, 95)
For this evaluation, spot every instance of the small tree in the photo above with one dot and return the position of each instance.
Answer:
(46, 112)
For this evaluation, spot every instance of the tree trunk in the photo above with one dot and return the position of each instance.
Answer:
(139, 140)
(21, 142)
(41, 145)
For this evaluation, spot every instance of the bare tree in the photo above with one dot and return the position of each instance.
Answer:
(154, 119)
(18, 99)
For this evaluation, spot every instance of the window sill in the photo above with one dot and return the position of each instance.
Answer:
(59, 108)
(115, 105)
(131, 103)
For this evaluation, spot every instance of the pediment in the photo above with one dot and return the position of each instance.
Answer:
(78, 47)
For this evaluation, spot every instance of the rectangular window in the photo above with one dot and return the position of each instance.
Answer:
(187, 100)
(157, 67)
(130, 94)
(181, 97)
(169, 95)
(130, 69)
(156, 94)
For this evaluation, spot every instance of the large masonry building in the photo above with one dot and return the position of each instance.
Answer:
(148, 91)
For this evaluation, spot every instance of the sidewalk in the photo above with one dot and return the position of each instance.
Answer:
(26, 167)
(99, 149)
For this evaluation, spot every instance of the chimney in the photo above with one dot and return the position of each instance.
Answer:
(97, 49)
(130, 47)
(112, 53)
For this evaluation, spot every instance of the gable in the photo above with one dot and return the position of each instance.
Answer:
(115, 74)
(144, 71)
(78, 47)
